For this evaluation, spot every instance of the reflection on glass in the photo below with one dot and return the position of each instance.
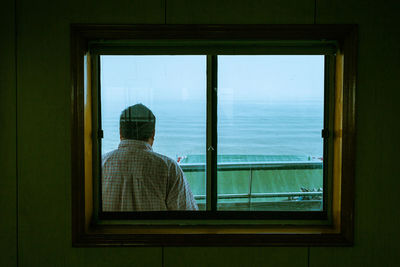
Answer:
(174, 89)
(270, 117)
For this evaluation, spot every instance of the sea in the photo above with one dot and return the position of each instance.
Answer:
(265, 128)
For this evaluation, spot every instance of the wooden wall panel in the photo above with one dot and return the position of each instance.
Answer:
(8, 174)
(239, 12)
(377, 216)
(231, 257)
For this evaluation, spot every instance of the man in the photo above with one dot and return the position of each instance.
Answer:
(134, 177)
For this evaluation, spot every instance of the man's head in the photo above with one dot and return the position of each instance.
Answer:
(137, 122)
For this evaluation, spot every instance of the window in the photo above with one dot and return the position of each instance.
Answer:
(174, 88)
(270, 117)
(259, 118)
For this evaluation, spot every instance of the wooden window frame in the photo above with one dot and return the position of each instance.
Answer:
(89, 230)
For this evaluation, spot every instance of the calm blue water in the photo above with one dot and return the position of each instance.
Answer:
(264, 129)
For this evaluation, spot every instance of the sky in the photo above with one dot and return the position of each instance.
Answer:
(153, 80)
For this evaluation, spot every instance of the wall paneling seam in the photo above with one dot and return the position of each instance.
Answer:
(162, 257)
(16, 132)
(315, 12)
(165, 11)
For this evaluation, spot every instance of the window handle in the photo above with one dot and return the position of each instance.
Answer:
(100, 134)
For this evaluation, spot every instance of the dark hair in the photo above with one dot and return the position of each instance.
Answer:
(137, 122)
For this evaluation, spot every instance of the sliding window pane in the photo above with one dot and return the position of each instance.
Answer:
(270, 117)
(174, 89)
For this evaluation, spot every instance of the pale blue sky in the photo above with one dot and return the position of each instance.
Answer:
(127, 80)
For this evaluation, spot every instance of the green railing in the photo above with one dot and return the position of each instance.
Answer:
(261, 185)
(265, 195)
(279, 165)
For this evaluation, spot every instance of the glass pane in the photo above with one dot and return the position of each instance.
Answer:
(270, 117)
(174, 89)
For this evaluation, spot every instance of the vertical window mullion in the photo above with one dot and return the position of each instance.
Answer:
(96, 129)
(329, 109)
(211, 164)
(99, 130)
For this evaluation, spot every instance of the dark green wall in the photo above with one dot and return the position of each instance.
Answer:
(8, 170)
(38, 148)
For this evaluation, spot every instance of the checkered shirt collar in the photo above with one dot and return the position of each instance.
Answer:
(135, 144)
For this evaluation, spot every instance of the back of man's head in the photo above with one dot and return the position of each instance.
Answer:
(137, 122)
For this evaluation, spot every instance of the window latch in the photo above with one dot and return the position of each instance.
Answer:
(324, 133)
(100, 134)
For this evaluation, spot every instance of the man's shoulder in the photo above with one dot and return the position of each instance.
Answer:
(169, 161)
(107, 156)
(174, 168)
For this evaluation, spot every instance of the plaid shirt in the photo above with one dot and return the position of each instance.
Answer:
(134, 178)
